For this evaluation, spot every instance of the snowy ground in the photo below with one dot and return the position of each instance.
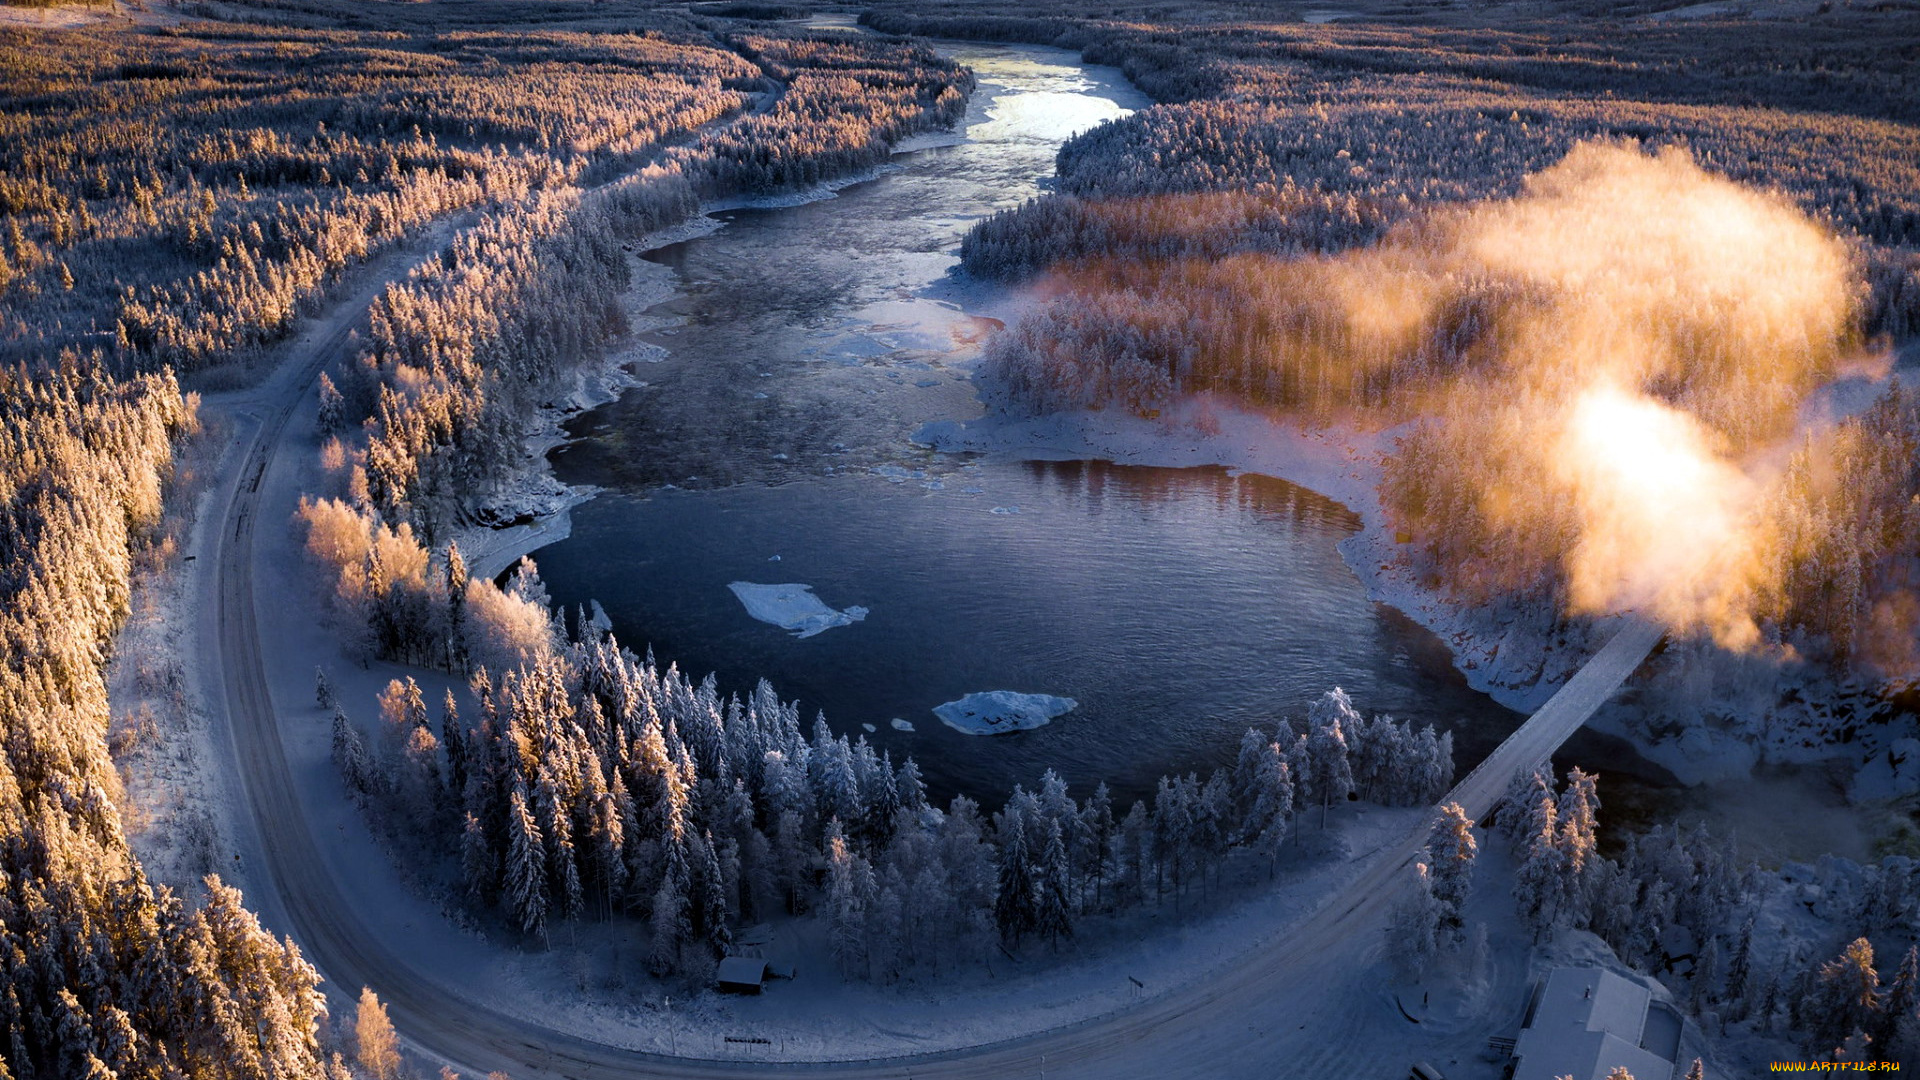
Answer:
(1351, 1025)
(161, 739)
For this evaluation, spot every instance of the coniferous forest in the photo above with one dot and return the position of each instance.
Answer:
(1415, 222)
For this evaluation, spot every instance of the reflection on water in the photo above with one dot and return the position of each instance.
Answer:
(1177, 606)
(805, 345)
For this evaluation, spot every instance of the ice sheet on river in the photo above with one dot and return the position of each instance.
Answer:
(996, 712)
(793, 607)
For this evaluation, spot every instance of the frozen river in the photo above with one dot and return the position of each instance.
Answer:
(772, 445)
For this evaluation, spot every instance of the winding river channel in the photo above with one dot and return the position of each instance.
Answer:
(797, 352)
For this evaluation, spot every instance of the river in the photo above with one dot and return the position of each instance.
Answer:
(801, 347)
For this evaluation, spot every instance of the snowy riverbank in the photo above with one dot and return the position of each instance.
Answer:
(1502, 652)
(531, 508)
(1701, 713)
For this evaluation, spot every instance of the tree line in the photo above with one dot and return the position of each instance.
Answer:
(1727, 938)
(593, 784)
(461, 353)
(182, 197)
(106, 975)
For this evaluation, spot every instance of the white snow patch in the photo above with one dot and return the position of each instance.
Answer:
(996, 712)
(793, 606)
(599, 619)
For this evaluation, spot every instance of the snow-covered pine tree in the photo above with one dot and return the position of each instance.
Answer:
(1299, 766)
(1245, 765)
(1097, 824)
(1523, 797)
(1578, 814)
(457, 582)
(608, 842)
(846, 903)
(1451, 848)
(670, 927)
(350, 756)
(1013, 901)
(912, 789)
(839, 795)
(453, 738)
(1438, 761)
(526, 871)
(1172, 836)
(1703, 982)
(1899, 1001)
(1536, 882)
(1739, 968)
(1413, 933)
(1053, 907)
(478, 863)
(882, 793)
(1136, 835)
(332, 409)
(1327, 746)
(1270, 817)
(1843, 997)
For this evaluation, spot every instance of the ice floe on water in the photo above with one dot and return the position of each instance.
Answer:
(901, 725)
(898, 474)
(995, 712)
(793, 606)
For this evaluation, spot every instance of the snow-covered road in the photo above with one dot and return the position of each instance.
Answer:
(1287, 1007)
(1241, 1020)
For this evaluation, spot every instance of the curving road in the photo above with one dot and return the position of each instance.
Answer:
(1175, 1026)
(1223, 1023)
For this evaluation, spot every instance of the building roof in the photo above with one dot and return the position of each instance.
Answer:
(742, 971)
(1587, 1022)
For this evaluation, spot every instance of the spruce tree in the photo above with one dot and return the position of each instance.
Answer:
(458, 651)
(1901, 999)
(1413, 933)
(477, 861)
(1013, 902)
(1053, 912)
(1451, 848)
(526, 873)
(1327, 748)
(670, 927)
(1843, 997)
(1536, 882)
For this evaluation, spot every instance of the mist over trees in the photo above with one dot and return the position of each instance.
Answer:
(1729, 938)
(1277, 233)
